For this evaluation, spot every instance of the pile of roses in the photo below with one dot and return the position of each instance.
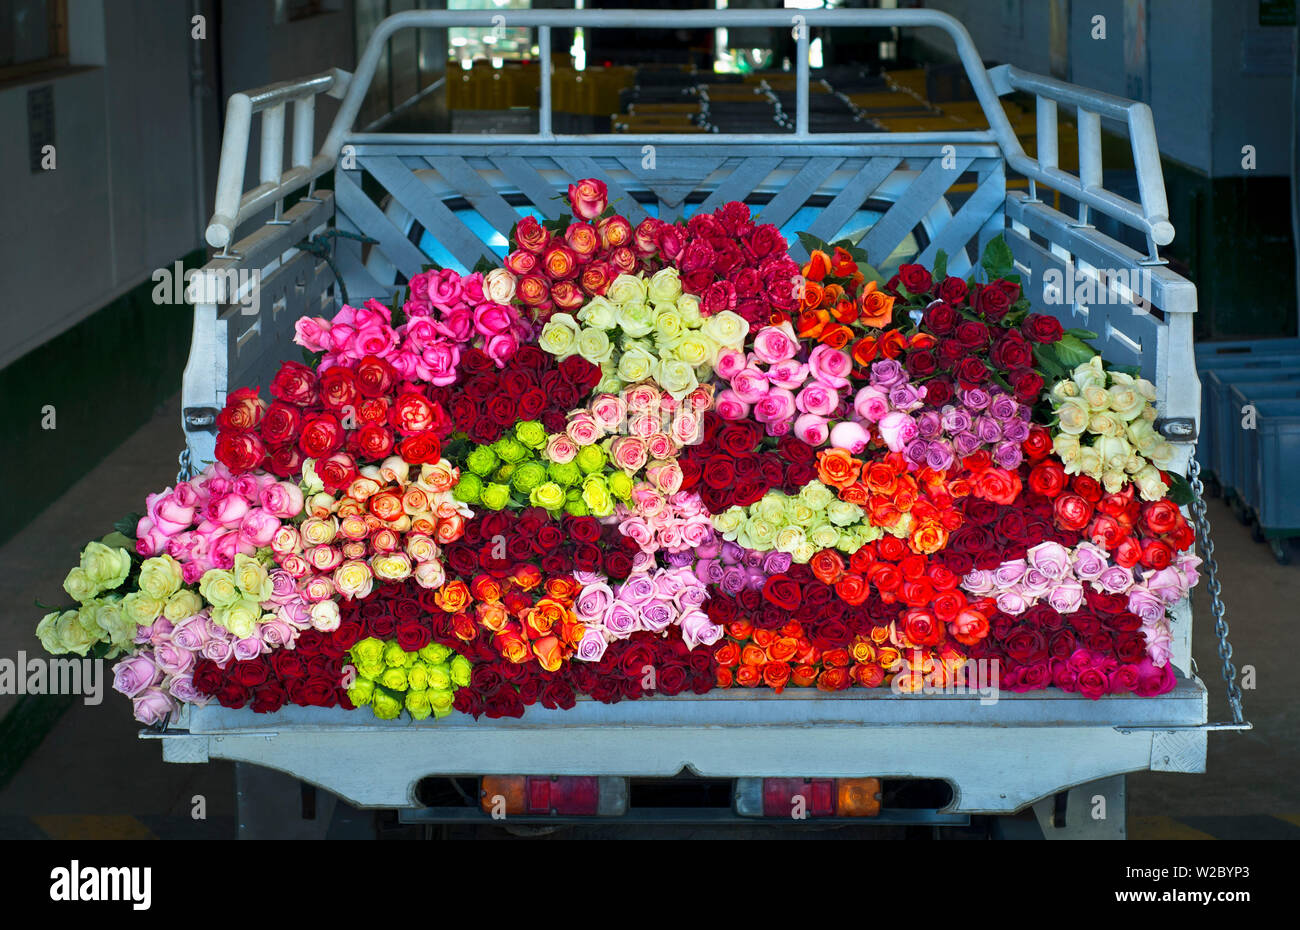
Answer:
(655, 459)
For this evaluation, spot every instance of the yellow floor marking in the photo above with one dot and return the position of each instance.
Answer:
(1163, 828)
(93, 827)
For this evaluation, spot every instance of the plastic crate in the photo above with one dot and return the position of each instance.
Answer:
(1219, 419)
(1272, 454)
(1243, 439)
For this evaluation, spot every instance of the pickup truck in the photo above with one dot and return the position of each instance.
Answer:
(933, 759)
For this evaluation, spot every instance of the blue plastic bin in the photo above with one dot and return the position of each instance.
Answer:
(1218, 356)
(1273, 452)
(1221, 418)
(1246, 443)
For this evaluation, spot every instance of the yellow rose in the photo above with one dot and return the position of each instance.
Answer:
(1113, 481)
(182, 605)
(240, 618)
(1073, 415)
(1125, 401)
(141, 608)
(391, 566)
(79, 585)
(693, 348)
(106, 566)
(1096, 397)
(676, 377)
(1105, 424)
(47, 631)
(599, 313)
(626, 289)
(1151, 487)
(72, 635)
(688, 305)
(316, 531)
(668, 326)
(118, 628)
(1063, 390)
(1090, 372)
(218, 587)
(160, 576)
(353, 579)
(560, 336)
(252, 578)
(727, 329)
(665, 286)
(1090, 462)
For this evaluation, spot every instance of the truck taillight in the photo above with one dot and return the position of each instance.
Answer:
(806, 798)
(560, 795)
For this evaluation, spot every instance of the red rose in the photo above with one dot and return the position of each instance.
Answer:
(422, 449)
(921, 362)
(1087, 487)
(1047, 478)
(1072, 512)
(240, 452)
(375, 377)
(1161, 517)
(1027, 385)
(280, 425)
(531, 235)
(991, 302)
(1012, 351)
(1039, 327)
(338, 389)
(953, 290)
(413, 636)
(337, 471)
(372, 441)
(782, 591)
(321, 435)
(972, 335)
(412, 413)
(243, 411)
(938, 392)
(249, 674)
(971, 372)
(915, 278)
(286, 461)
(294, 383)
(719, 296)
(1037, 444)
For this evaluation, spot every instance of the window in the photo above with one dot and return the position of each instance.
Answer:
(33, 37)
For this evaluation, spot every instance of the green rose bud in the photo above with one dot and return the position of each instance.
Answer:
(369, 650)
(385, 706)
(528, 476)
(495, 496)
(143, 610)
(511, 450)
(481, 460)
(251, 578)
(576, 507)
(468, 488)
(549, 495)
(417, 704)
(460, 669)
(160, 576)
(371, 668)
(435, 653)
(394, 655)
(394, 679)
(362, 690)
(417, 676)
(47, 631)
(620, 485)
(595, 494)
(531, 433)
(441, 702)
(590, 459)
(218, 587)
(240, 618)
(118, 628)
(182, 605)
(564, 473)
(440, 677)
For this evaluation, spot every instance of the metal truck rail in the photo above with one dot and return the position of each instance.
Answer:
(467, 191)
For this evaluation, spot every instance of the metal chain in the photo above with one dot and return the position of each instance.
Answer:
(187, 467)
(1202, 521)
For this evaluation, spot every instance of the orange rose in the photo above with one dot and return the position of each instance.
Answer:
(819, 263)
(803, 675)
(837, 468)
(748, 676)
(775, 675)
(811, 322)
(836, 337)
(449, 529)
(922, 627)
(928, 537)
(563, 588)
(792, 629)
(833, 295)
(869, 675)
(908, 681)
(492, 616)
(921, 341)
(526, 575)
(879, 634)
(877, 307)
(828, 566)
(998, 485)
(969, 626)
(485, 588)
(856, 493)
(864, 352)
(764, 638)
(452, 597)
(752, 655)
(833, 679)
(842, 263)
(862, 650)
(511, 646)
(812, 295)
(845, 311)
(783, 649)
(892, 343)
(571, 630)
(724, 677)
(889, 657)
(740, 629)
(464, 626)
(548, 652)
(837, 658)
(728, 654)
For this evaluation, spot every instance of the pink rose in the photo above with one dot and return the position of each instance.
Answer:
(728, 363)
(560, 448)
(897, 430)
(133, 675)
(849, 435)
(312, 333)
(154, 706)
(774, 344)
(249, 648)
(173, 659)
(591, 648)
(492, 319)
(776, 406)
(750, 385)
(730, 406)
(628, 453)
(583, 429)
(258, 528)
(830, 366)
(182, 689)
(192, 633)
(812, 429)
(227, 511)
(817, 398)
(871, 404)
(788, 374)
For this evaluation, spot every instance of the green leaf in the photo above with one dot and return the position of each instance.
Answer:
(126, 526)
(997, 260)
(119, 540)
(940, 265)
(997, 379)
(1072, 351)
(869, 273)
(812, 244)
(483, 265)
(1180, 491)
(1081, 333)
(1048, 363)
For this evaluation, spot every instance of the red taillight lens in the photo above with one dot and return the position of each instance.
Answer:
(573, 795)
(798, 798)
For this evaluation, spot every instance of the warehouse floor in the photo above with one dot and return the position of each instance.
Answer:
(89, 776)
